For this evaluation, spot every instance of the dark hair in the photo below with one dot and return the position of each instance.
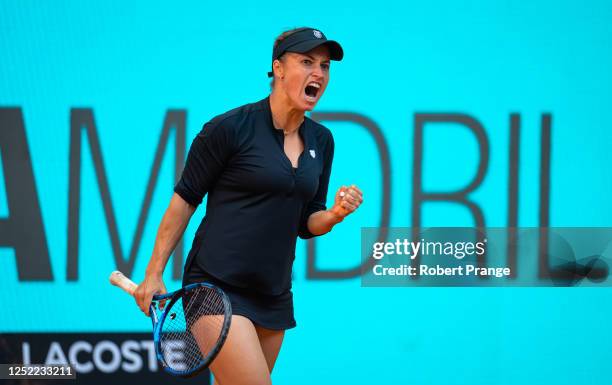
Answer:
(278, 40)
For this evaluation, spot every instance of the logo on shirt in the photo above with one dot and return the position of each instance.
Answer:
(313, 154)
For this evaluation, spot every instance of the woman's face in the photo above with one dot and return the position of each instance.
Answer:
(304, 77)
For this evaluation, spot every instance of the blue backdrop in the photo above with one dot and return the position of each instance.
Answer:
(131, 62)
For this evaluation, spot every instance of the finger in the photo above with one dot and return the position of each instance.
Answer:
(353, 195)
(162, 303)
(351, 199)
(144, 304)
(348, 206)
(354, 191)
(141, 305)
(358, 201)
(147, 303)
(358, 198)
(355, 199)
(139, 297)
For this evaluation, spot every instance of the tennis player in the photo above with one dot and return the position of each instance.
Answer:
(265, 168)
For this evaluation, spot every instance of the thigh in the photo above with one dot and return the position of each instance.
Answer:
(241, 360)
(270, 341)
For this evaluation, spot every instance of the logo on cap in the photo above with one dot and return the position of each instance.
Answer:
(317, 34)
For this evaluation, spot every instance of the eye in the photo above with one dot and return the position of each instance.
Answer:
(325, 66)
(307, 62)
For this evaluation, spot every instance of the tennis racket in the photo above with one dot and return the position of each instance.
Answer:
(189, 325)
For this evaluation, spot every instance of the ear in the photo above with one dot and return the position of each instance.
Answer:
(278, 69)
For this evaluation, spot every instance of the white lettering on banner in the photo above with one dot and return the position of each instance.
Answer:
(25, 348)
(107, 356)
(111, 347)
(174, 354)
(56, 355)
(73, 353)
(133, 361)
(150, 347)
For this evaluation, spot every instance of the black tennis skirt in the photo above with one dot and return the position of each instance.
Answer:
(269, 311)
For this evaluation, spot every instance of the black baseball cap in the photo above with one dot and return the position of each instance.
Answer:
(304, 40)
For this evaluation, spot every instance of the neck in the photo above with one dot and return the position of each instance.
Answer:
(284, 115)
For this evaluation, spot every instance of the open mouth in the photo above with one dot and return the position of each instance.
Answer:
(312, 90)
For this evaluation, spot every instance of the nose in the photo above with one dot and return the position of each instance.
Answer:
(318, 72)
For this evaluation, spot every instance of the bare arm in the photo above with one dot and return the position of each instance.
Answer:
(169, 233)
(171, 229)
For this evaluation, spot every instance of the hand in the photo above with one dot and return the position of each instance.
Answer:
(348, 199)
(152, 284)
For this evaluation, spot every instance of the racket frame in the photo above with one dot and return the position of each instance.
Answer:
(171, 299)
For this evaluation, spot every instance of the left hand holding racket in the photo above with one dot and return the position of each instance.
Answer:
(152, 285)
(190, 329)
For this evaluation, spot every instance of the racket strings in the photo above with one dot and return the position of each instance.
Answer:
(192, 328)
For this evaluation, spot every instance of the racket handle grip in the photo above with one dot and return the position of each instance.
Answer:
(121, 281)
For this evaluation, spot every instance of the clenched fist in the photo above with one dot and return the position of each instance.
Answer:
(348, 199)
